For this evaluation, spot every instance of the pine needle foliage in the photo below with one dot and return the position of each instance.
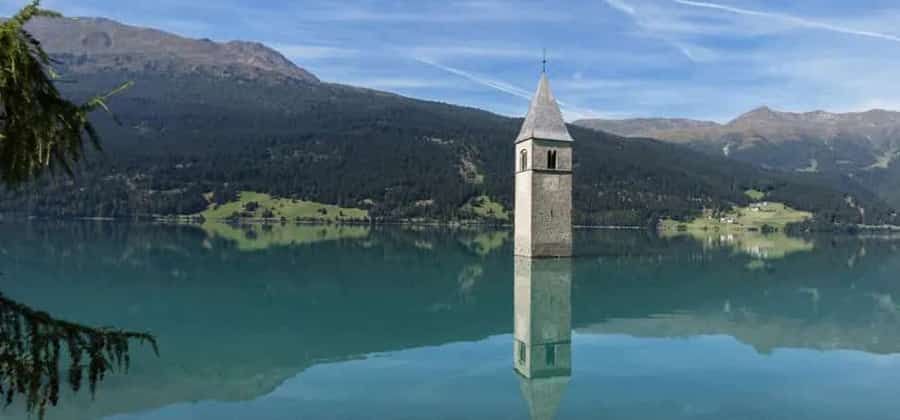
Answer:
(32, 343)
(39, 129)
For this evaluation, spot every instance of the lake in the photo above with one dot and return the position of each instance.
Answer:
(353, 322)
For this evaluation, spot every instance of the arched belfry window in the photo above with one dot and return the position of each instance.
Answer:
(551, 159)
(523, 160)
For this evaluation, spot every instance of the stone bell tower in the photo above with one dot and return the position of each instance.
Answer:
(543, 207)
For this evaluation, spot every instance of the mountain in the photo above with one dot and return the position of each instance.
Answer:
(90, 45)
(205, 120)
(644, 127)
(860, 145)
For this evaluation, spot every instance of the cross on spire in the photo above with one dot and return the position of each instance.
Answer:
(544, 62)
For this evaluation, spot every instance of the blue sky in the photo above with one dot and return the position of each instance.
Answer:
(608, 58)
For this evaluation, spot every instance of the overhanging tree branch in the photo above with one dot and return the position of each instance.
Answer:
(40, 130)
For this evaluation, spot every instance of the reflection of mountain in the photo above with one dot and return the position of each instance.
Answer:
(765, 332)
(215, 309)
(841, 296)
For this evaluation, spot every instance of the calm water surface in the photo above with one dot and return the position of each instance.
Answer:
(357, 323)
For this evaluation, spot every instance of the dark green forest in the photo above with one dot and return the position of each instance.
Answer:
(185, 134)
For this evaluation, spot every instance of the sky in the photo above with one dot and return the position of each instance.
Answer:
(710, 60)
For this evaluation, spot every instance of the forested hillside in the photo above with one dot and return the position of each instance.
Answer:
(860, 145)
(186, 132)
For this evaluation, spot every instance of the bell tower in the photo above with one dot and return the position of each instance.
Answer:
(543, 203)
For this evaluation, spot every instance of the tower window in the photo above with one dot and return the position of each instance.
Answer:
(551, 159)
(523, 160)
(521, 353)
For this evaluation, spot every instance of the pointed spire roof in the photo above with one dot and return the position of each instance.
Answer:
(543, 395)
(544, 120)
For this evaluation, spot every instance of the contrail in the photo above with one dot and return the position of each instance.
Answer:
(792, 20)
(484, 81)
(504, 87)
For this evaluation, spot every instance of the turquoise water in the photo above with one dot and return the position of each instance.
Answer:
(427, 324)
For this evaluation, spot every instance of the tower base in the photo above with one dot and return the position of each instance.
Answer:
(545, 250)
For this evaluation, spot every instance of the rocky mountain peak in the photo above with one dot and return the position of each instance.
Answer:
(761, 114)
(95, 44)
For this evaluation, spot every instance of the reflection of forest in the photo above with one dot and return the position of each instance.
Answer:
(216, 307)
(260, 236)
(763, 246)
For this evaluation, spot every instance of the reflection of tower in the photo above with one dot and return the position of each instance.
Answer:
(543, 332)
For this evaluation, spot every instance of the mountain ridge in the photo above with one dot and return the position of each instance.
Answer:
(643, 126)
(101, 44)
(861, 145)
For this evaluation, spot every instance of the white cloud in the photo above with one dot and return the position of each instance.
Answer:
(834, 82)
(651, 25)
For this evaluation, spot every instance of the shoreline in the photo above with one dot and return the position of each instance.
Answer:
(197, 221)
